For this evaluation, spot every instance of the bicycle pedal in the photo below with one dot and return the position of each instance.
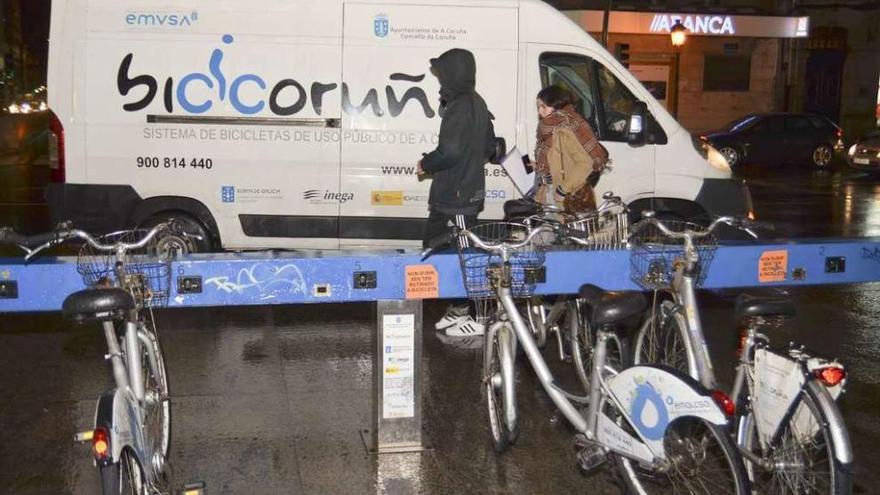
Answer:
(84, 436)
(591, 457)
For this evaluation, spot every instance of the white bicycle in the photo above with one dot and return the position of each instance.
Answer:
(126, 275)
(664, 432)
(789, 428)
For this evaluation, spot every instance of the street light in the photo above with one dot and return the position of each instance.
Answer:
(678, 35)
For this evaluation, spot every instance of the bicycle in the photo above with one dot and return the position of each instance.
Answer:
(789, 428)
(604, 229)
(124, 276)
(660, 428)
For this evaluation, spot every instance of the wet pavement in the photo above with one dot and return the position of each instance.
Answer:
(272, 399)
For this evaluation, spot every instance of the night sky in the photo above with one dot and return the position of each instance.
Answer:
(35, 29)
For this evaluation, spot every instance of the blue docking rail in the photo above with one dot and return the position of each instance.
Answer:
(279, 277)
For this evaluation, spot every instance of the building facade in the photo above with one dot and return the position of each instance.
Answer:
(832, 69)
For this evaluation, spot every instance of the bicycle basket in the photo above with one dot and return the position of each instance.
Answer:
(606, 230)
(480, 269)
(147, 275)
(654, 256)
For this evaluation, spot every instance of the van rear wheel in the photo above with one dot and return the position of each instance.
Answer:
(198, 239)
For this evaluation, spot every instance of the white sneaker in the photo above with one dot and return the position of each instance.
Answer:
(466, 327)
(453, 315)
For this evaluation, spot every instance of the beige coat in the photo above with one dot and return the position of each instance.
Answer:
(570, 165)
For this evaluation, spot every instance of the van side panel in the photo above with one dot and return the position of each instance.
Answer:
(224, 104)
(388, 47)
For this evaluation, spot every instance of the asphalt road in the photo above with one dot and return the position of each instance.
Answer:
(272, 399)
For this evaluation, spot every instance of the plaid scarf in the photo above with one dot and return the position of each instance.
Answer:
(567, 118)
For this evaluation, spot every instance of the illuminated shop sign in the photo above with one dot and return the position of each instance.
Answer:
(696, 24)
(755, 26)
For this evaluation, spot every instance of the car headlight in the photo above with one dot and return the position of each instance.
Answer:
(25, 108)
(716, 159)
(852, 151)
(13, 108)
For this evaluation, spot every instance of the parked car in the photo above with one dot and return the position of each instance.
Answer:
(864, 155)
(778, 138)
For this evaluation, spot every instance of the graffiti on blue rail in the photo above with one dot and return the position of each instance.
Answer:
(871, 254)
(262, 277)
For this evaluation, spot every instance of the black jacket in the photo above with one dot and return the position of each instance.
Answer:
(467, 138)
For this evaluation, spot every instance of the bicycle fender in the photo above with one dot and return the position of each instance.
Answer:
(825, 401)
(654, 397)
(116, 414)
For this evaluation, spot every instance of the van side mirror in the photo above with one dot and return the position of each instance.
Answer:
(635, 128)
(500, 151)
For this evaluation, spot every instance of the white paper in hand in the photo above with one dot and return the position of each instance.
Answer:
(516, 171)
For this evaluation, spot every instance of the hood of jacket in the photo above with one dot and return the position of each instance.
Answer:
(456, 70)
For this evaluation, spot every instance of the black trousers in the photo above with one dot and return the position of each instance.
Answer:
(439, 224)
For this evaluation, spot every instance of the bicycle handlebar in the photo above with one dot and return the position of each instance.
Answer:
(445, 239)
(743, 224)
(10, 237)
(32, 245)
(500, 246)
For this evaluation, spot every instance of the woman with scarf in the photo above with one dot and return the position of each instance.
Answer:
(569, 157)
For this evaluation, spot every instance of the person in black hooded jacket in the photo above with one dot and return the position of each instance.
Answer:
(466, 142)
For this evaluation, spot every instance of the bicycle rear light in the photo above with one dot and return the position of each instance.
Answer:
(830, 376)
(101, 444)
(724, 402)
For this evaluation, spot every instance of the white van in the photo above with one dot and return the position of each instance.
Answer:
(298, 123)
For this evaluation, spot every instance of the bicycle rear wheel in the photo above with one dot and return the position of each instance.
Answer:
(158, 403)
(702, 460)
(496, 378)
(803, 456)
(157, 400)
(125, 477)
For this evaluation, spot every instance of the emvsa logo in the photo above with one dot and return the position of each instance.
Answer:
(160, 19)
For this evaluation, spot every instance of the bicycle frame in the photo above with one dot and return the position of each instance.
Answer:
(684, 295)
(596, 426)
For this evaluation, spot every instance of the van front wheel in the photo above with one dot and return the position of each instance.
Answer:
(197, 240)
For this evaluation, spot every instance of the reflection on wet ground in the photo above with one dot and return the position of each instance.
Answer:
(803, 203)
(272, 399)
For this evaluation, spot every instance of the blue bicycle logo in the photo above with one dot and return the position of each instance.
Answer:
(646, 394)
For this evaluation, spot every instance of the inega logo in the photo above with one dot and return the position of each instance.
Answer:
(276, 97)
(161, 19)
(317, 196)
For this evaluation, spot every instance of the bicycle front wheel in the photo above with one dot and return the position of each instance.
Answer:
(583, 344)
(498, 383)
(663, 339)
(802, 460)
(701, 459)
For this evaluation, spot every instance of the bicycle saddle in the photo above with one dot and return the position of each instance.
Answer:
(97, 304)
(607, 308)
(750, 306)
